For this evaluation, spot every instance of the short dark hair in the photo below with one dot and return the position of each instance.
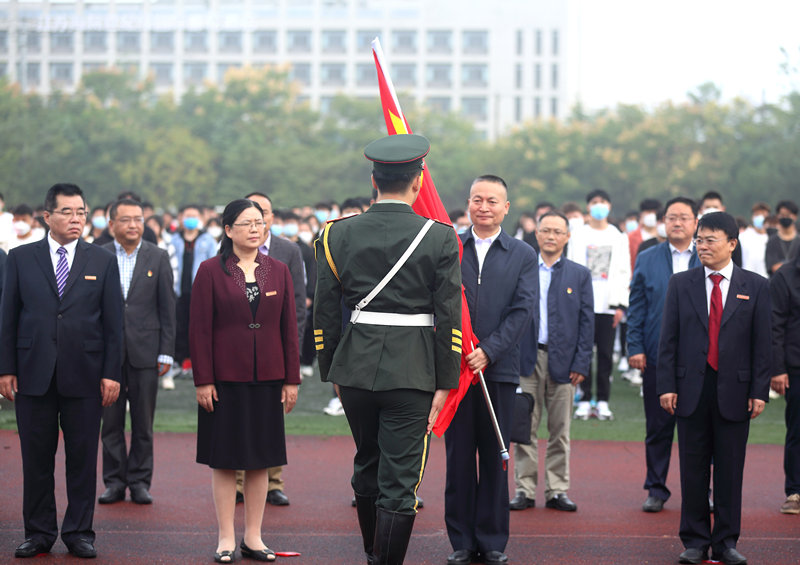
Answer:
(556, 214)
(129, 195)
(229, 215)
(22, 210)
(391, 183)
(760, 206)
(61, 189)
(650, 204)
(788, 204)
(185, 207)
(352, 203)
(719, 221)
(570, 207)
(491, 178)
(682, 200)
(123, 202)
(598, 192)
(261, 194)
(544, 204)
(455, 214)
(711, 195)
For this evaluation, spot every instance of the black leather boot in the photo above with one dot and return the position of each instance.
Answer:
(392, 533)
(365, 508)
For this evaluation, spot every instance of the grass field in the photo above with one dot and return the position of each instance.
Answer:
(177, 412)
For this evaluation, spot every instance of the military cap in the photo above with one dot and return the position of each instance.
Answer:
(401, 153)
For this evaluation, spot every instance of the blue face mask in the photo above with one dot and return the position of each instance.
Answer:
(99, 222)
(758, 222)
(631, 225)
(290, 230)
(191, 223)
(462, 229)
(276, 230)
(599, 211)
(321, 215)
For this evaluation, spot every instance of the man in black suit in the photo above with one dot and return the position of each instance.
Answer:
(149, 326)
(60, 356)
(714, 375)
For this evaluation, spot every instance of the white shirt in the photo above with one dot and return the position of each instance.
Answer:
(54, 245)
(724, 284)
(754, 247)
(545, 276)
(482, 246)
(680, 259)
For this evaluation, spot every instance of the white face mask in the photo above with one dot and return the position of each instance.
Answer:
(22, 228)
(575, 223)
(649, 220)
(305, 237)
(215, 231)
(661, 230)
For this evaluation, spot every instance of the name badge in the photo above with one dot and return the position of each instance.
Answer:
(90, 277)
(271, 293)
(743, 297)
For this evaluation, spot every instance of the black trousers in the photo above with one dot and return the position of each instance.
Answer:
(701, 436)
(791, 450)
(660, 432)
(182, 308)
(122, 468)
(604, 340)
(390, 432)
(38, 420)
(476, 495)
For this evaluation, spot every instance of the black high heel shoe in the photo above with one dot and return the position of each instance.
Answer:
(265, 554)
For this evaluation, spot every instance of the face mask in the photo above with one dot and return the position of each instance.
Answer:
(321, 215)
(707, 211)
(335, 213)
(305, 237)
(575, 223)
(661, 230)
(215, 231)
(290, 230)
(86, 230)
(599, 211)
(191, 223)
(650, 220)
(462, 229)
(631, 225)
(99, 222)
(276, 230)
(785, 222)
(22, 228)
(758, 222)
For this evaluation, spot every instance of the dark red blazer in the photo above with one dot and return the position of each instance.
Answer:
(224, 339)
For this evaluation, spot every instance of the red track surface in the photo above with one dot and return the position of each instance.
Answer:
(609, 526)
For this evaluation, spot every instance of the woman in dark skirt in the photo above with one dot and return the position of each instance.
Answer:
(245, 359)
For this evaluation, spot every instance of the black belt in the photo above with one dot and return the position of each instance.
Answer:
(542, 346)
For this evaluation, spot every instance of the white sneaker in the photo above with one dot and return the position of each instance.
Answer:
(633, 376)
(334, 407)
(603, 413)
(583, 411)
(306, 371)
(623, 364)
(167, 382)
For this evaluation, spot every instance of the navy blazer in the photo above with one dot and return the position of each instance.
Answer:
(77, 337)
(570, 324)
(501, 300)
(648, 290)
(744, 343)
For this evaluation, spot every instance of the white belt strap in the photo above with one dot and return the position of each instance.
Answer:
(390, 319)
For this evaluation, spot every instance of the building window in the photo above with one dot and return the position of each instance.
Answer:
(554, 107)
(404, 74)
(334, 41)
(33, 41)
(404, 41)
(33, 74)
(332, 74)
(474, 108)
(439, 104)
(163, 73)
(325, 103)
(537, 76)
(520, 43)
(194, 73)
(91, 67)
(230, 41)
(554, 75)
(301, 72)
(366, 74)
(62, 42)
(3, 41)
(265, 41)
(299, 41)
(129, 68)
(555, 42)
(61, 74)
(128, 41)
(475, 42)
(538, 42)
(222, 70)
(162, 42)
(95, 42)
(364, 39)
(517, 109)
(474, 75)
(439, 75)
(518, 75)
(537, 107)
(440, 42)
(195, 42)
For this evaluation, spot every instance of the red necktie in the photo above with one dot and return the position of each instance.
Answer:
(714, 319)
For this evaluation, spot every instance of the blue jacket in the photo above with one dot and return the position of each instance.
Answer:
(570, 324)
(205, 247)
(648, 290)
(501, 300)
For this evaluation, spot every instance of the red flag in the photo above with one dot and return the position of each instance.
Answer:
(429, 205)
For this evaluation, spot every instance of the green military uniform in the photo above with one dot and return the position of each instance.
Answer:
(388, 363)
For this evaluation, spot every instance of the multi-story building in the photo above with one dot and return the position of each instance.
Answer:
(498, 63)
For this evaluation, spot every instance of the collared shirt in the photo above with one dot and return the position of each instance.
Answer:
(126, 264)
(724, 284)
(482, 246)
(265, 246)
(545, 275)
(54, 245)
(680, 259)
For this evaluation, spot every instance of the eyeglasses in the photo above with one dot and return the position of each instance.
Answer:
(675, 219)
(69, 213)
(557, 233)
(130, 220)
(698, 241)
(258, 224)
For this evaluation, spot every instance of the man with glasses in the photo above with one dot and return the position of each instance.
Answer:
(149, 328)
(652, 272)
(713, 374)
(60, 359)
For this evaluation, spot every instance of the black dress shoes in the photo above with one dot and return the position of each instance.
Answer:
(561, 502)
(692, 555)
(82, 548)
(730, 557)
(31, 548)
(521, 502)
(112, 495)
(461, 557)
(140, 495)
(653, 504)
(495, 558)
(277, 498)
